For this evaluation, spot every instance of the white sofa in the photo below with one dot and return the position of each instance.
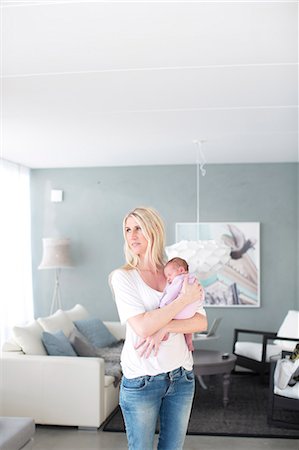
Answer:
(56, 390)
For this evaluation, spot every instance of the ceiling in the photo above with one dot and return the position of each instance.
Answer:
(111, 83)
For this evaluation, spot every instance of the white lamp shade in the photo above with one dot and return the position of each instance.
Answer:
(201, 256)
(56, 254)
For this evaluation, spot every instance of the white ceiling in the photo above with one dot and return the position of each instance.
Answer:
(104, 83)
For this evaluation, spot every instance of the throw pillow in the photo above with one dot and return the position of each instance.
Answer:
(57, 321)
(81, 344)
(29, 339)
(57, 344)
(78, 312)
(96, 332)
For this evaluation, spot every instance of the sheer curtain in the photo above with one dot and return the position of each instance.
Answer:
(16, 296)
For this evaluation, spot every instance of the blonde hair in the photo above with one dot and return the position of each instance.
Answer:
(153, 230)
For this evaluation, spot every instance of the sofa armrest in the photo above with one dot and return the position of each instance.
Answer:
(116, 328)
(54, 389)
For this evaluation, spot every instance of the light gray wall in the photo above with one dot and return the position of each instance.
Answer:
(96, 199)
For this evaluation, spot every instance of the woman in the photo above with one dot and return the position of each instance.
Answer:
(158, 380)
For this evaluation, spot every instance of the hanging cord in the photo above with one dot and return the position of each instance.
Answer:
(200, 166)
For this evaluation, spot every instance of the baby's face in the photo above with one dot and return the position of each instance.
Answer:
(171, 271)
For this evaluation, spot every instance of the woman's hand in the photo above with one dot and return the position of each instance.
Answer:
(151, 343)
(191, 292)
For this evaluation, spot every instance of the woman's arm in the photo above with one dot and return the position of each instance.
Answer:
(152, 343)
(195, 324)
(149, 322)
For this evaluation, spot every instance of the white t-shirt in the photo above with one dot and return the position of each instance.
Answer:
(133, 296)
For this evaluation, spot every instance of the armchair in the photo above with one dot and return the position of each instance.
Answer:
(283, 399)
(256, 355)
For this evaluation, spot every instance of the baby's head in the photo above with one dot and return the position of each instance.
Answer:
(174, 267)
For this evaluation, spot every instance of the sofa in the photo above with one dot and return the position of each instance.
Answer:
(56, 390)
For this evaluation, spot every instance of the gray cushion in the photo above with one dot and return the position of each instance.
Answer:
(57, 344)
(81, 344)
(96, 332)
(15, 432)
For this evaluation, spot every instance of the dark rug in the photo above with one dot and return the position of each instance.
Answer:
(245, 415)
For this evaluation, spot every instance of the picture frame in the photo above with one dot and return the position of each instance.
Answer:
(237, 282)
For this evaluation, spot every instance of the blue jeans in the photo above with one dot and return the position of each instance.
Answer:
(167, 396)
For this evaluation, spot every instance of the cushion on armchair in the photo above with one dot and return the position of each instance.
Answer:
(289, 329)
(289, 391)
(253, 350)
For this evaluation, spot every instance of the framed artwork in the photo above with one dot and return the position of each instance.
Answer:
(237, 282)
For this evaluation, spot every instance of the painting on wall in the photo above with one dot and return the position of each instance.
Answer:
(237, 282)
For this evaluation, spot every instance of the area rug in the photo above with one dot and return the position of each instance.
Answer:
(245, 415)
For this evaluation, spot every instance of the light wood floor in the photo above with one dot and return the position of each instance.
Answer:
(64, 438)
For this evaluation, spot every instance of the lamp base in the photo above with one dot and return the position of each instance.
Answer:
(56, 299)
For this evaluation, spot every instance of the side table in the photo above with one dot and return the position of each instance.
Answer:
(210, 362)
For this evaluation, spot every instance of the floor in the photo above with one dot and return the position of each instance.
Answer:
(66, 438)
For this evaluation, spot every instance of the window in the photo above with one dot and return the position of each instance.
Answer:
(16, 296)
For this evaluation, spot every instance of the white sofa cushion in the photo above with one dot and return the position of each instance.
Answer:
(253, 350)
(28, 337)
(11, 346)
(78, 312)
(57, 321)
(289, 329)
(289, 391)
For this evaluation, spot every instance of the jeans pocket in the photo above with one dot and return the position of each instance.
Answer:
(137, 383)
(189, 375)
